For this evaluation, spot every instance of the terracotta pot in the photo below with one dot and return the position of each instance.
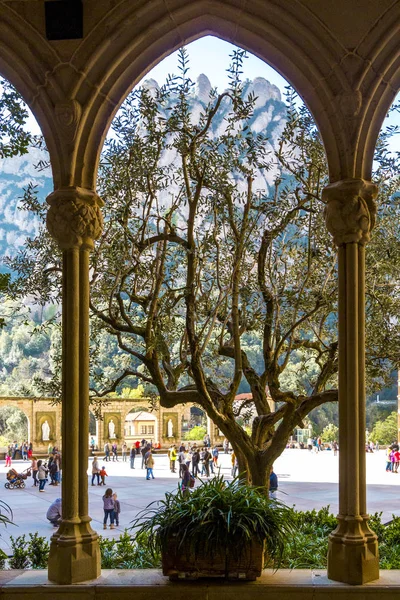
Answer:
(183, 563)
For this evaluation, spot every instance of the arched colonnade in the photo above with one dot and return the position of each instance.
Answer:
(343, 59)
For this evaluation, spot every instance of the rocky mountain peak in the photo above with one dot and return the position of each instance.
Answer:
(203, 88)
(264, 90)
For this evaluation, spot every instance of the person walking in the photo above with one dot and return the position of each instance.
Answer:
(25, 451)
(42, 475)
(235, 465)
(195, 462)
(108, 507)
(273, 483)
(124, 451)
(144, 451)
(114, 449)
(8, 457)
(215, 455)
(52, 470)
(396, 459)
(106, 451)
(149, 465)
(95, 471)
(186, 480)
(132, 456)
(206, 462)
(34, 468)
(388, 461)
(173, 457)
(117, 509)
(103, 475)
(181, 459)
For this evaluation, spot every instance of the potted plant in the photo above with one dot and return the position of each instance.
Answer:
(220, 530)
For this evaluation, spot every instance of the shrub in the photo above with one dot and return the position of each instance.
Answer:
(19, 558)
(38, 551)
(127, 552)
(196, 433)
(217, 514)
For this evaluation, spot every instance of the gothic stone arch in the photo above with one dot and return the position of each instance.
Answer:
(37, 410)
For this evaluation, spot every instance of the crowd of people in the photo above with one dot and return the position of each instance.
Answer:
(25, 450)
(188, 461)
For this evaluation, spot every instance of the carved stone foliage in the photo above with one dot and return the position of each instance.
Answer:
(68, 115)
(74, 217)
(350, 210)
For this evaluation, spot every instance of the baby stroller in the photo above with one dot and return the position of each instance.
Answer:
(16, 480)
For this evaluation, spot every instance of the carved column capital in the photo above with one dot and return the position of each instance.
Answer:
(74, 218)
(350, 210)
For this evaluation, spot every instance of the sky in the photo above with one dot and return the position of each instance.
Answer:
(210, 55)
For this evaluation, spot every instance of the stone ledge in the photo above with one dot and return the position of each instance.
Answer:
(150, 583)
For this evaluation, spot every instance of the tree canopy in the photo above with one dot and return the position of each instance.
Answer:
(385, 432)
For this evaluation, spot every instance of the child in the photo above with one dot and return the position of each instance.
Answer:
(8, 459)
(103, 475)
(108, 505)
(117, 509)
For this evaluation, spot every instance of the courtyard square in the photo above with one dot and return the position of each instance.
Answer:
(306, 479)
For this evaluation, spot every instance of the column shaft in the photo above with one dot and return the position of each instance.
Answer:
(361, 383)
(84, 382)
(349, 379)
(353, 549)
(70, 385)
(74, 220)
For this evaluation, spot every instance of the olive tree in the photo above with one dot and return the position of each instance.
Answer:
(197, 259)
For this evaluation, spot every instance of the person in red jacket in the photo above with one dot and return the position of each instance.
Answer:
(137, 446)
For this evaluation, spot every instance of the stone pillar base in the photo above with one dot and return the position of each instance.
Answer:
(353, 552)
(74, 553)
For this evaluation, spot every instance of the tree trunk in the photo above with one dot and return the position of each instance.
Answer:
(259, 472)
(243, 469)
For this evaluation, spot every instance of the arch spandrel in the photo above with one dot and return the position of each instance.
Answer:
(33, 66)
(266, 33)
(75, 89)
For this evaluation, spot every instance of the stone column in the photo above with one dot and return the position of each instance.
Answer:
(350, 216)
(74, 219)
(211, 430)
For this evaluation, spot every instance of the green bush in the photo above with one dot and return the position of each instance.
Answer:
(38, 551)
(330, 433)
(196, 433)
(128, 552)
(385, 432)
(29, 554)
(19, 558)
(306, 548)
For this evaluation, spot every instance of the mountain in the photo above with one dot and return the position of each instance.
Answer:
(16, 173)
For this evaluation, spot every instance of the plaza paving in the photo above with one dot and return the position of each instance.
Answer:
(306, 480)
